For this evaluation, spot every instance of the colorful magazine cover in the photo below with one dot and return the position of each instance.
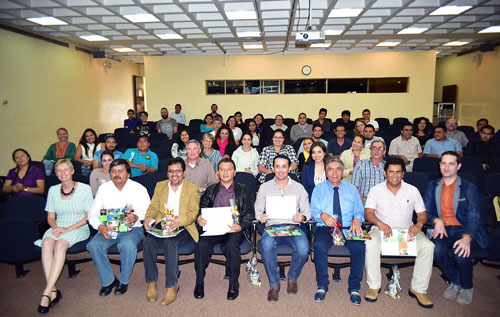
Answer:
(114, 219)
(399, 244)
(283, 231)
(351, 236)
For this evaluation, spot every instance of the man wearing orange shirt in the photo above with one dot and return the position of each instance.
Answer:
(452, 205)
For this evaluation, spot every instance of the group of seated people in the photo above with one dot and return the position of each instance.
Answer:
(342, 184)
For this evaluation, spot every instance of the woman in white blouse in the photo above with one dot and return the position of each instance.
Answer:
(86, 149)
(246, 157)
(231, 123)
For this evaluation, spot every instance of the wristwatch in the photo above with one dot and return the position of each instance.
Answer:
(25, 189)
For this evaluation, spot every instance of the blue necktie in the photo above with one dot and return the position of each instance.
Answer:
(336, 204)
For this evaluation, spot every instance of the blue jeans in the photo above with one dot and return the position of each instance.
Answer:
(49, 167)
(127, 247)
(460, 272)
(322, 243)
(300, 251)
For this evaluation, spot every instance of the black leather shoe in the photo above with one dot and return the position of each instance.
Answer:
(44, 309)
(233, 292)
(56, 299)
(106, 290)
(121, 289)
(199, 291)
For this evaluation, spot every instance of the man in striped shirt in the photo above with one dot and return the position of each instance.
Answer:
(370, 172)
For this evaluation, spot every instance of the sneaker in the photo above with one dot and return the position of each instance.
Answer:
(320, 295)
(452, 291)
(355, 298)
(465, 296)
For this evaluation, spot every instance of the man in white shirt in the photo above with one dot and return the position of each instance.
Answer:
(370, 137)
(406, 146)
(389, 205)
(121, 192)
(178, 115)
(366, 117)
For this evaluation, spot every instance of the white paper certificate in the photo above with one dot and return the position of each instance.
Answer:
(219, 220)
(399, 244)
(281, 207)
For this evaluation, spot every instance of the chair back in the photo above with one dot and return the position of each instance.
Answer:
(30, 207)
(150, 180)
(417, 179)
(18, 236)
(426, 164)
(247, 179)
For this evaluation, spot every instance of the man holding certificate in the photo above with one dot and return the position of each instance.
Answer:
(335, 203)
(389, 206)
(173, 208)
(282, 201)
(227, 213)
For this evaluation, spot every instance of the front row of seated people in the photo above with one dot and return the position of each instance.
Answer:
(450, 204)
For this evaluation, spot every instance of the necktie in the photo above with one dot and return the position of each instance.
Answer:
(336, 204)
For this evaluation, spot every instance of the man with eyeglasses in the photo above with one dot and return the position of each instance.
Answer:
(198, 170)
(453, 133)
(370, 172)
(485, 148)
(302, 129)
(220, 195)
(406, 146)
(180, 197)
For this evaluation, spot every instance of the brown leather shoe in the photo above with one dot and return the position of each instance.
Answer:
(372, 294)
(292, 287)
(422, 298)
(273, 294)
(151, 292)
(170, 295)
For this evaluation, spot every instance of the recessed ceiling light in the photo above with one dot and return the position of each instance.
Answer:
(450, 10)
(252, 46)
(318, 45)
(141, 17)
(241, 15)
(413, 30)
(47, 21)
(388, 44)
(124, 50)
(456, 43)
(333, 32)
(169, 36)
(491, 29)
(94, 38)
(248, 34)
(344, 13)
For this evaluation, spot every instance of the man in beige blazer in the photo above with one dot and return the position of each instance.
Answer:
(180, 199)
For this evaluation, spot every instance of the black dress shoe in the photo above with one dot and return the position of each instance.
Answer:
(44, 309)
(121, 289)
(106, 290)
(199, 291)
(56, 299)
(233, 292)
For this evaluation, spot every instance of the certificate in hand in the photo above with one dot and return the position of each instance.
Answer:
(281, 207)
(219, 220)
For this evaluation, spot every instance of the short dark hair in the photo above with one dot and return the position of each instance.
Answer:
(163, 108)
(317, 125)
(340, 125)
(106, 152)
(394, 161)
(176, 160)
(178, 105)
(118, 162)
(303, 113)
(227, 160)
(323, 110)
(453, 153)
(146, 113)
(366, 110)
(370, 126)
(130, 110)
(238, 112)
(347, 112)
(405, 125)
(441, 126)
(482, 119)
(283, 157)
(488, 127)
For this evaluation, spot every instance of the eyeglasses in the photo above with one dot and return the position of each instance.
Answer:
(174, 171)
(376, 148)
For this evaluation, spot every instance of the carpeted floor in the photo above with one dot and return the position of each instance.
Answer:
(20, 297)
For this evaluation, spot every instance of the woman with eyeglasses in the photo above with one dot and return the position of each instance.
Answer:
(268, 154)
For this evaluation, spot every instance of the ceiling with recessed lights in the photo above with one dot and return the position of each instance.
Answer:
(206, 27)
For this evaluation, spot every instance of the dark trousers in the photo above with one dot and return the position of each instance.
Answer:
(322, 243)
(170, 248)
(231, 248)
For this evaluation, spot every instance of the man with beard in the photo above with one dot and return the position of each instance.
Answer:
(166, 125)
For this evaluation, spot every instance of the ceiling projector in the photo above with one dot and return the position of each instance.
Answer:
(305, 38)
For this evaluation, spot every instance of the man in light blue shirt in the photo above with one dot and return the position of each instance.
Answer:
(327, 198)
(109, 145)
(440, 144)
(142, 160)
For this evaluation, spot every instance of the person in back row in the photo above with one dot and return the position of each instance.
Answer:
(166, 125)
(366, 117)
(61, 149)
(406, 146)
(440, 143)
(86, 150)
(109, 145)
(132, 121)
(317, 133)
(141, 159)
(325, 123)
(339, 144)
(453, 133)
(301, 130)
(145, 127)
(178, 115)
(345, 119)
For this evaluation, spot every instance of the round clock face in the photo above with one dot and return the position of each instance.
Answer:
(306, 70)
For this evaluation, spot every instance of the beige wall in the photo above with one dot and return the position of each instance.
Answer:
(48, 86)
(478, 85)
(181, 79)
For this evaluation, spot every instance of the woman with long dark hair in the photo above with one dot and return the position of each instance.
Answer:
(314, 171)
(86, 149)
(24, 179)
(179, 147)
(421, 130)
(224, 141)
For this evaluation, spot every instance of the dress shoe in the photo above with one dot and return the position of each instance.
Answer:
(121, 289)
(422, 298)
(44, 309)
(56, 299)
(319, 296)
(151, 292)
(106, 290)
(199, 291)
(292, 287)
(355, 298)
(170, 295)
(273, 294)
(233, 292)
(372, 294)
